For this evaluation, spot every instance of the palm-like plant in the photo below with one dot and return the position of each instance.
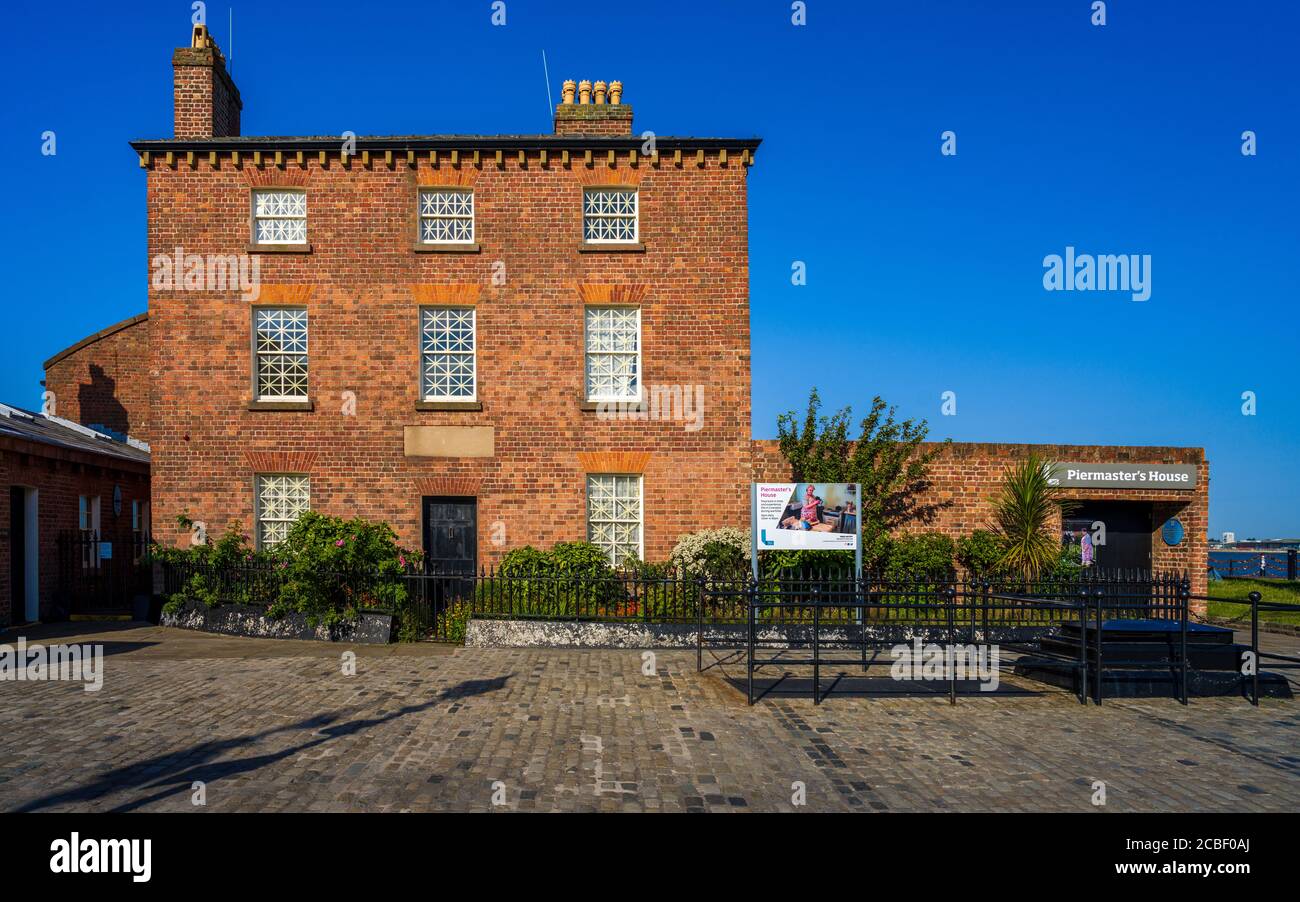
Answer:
(1023, 516)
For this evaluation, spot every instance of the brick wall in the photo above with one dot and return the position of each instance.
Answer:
(205, 101)
(966, 477)
(103, 380)
(362, 284)
(593, 119)
(61, 476)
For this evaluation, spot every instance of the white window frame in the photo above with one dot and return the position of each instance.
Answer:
(424, 354)
(88, 510)
(587, 354)
(254, 218)
(635, 217)
(258, 354)
(640, 522)
(419, 202)
(258, 519)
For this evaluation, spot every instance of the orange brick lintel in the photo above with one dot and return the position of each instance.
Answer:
(465, 486)
(613, 461)
(280, 461)
(602, 293)
(445, 294)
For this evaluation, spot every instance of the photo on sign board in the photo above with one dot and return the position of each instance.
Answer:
(807, 515)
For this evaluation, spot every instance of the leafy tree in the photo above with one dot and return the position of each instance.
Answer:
(1023, 516)
(887, 461)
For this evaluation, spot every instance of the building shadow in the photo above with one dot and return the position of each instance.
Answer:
(99, 406)
(203, 767)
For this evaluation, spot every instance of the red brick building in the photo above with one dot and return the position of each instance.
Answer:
(453, 334)
(63, 480)
(965, 480)
(102, 381)
(487, 341)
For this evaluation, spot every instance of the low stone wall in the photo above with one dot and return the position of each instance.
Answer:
(491, 633)
(248, 620)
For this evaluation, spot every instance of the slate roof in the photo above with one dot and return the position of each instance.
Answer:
(60, 433)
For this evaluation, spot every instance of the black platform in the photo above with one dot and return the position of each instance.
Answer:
(1140, 658)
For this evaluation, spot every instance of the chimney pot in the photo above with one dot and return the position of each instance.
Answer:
(584, 91)
(570, 86)
(615, 92)
(600, 93)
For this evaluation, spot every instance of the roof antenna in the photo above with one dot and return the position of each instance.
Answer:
(546, 72)
(232, 40)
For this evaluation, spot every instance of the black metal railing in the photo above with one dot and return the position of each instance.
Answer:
(434, 602)
(1254, 564)
(1257, 604)
(101, 572)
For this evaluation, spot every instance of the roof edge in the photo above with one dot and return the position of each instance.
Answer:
(91, 339)
(442, 142)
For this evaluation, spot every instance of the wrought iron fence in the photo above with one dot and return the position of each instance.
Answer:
(438, 605)
(102, 572)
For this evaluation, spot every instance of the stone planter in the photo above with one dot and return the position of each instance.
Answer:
(371, 627)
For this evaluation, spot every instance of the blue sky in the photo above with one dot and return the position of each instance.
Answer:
(924, 271)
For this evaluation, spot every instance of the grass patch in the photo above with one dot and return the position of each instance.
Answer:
(1223, 593)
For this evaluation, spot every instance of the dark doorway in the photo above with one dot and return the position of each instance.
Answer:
(17, 555)
(1127, 528)
(451, 534)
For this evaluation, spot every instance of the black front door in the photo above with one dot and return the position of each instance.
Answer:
(451, 534)
(17, 555)
(1127, 529)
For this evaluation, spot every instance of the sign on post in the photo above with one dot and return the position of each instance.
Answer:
(806, 515)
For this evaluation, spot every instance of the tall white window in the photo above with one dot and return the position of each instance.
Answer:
(613, 353)
(279, 216)
(614, 515)
(447, 349)
(609, 215)
(280, 499)
(280, 353)
(88, 523)
(447, 216)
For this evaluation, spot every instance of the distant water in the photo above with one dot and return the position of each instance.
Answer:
(1246, 563)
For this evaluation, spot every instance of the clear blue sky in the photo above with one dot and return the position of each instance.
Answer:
(924, 271)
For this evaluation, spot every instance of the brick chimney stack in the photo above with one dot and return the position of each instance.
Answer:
(592, 115)
(205, 100)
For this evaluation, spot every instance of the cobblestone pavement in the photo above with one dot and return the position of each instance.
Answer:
(277, 726)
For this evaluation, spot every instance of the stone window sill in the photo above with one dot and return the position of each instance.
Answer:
(281, 405)
(449, 405)
(422, 248)
(589, 247)
(279, 248)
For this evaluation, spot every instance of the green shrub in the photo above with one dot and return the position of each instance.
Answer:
(572, 579)
(920, 555)
(978, 554)
(792, 563)
(525, 561)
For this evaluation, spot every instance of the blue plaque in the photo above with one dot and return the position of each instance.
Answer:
(1172, 531)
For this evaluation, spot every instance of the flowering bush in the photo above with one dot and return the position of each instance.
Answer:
(327, 568)
(714, 552)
